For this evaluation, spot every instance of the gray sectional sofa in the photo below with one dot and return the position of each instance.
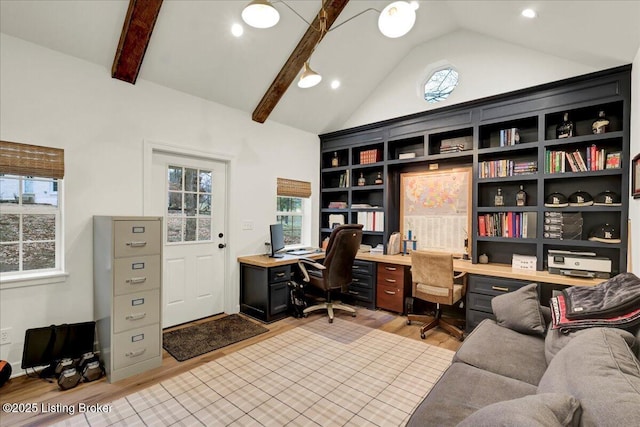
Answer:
(515, 371)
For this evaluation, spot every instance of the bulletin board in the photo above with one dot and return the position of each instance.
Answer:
(436, 207)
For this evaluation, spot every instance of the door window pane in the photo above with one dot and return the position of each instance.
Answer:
(204, 206)
(191, 180)
(205, 182)
(190, 230)
(174, 228)
(175, 178)
(188, 205)
(204, 229)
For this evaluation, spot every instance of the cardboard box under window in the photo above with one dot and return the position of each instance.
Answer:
(524, 262)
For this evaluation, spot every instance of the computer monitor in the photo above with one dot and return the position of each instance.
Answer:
(277, 240)
(45, 346)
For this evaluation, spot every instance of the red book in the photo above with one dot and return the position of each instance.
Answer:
(482, 227)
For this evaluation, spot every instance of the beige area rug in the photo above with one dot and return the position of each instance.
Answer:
(318, 374)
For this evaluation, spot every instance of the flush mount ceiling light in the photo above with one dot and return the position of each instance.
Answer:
(397, 19)
(529, 13)
(260, 14)
(308, 78)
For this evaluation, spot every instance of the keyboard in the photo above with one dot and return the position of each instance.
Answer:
(301, 252)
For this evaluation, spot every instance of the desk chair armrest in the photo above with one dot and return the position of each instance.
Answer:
(310, 262)
(459, 275)
(462, 275)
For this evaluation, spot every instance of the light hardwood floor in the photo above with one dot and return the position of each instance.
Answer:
(35, 390)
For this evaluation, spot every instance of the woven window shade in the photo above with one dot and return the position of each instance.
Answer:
(293, 188)
(31, 160)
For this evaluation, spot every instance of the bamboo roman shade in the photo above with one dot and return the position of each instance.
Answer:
(31, 160)
(293, 188)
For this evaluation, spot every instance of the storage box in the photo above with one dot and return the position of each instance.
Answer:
(524, 262)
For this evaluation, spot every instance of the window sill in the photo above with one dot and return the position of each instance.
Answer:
(33, 279)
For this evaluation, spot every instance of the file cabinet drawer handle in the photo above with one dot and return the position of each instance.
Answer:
(389, 292)
(354, 292)
(355, 280)
(135, 353)
(355, 267)
(390, 268)
(136, 316)
(137, 244)
(136, 280)
(390, 280)
(500, 288)
(279, 274)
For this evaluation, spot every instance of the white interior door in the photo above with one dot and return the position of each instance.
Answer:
(190, 194)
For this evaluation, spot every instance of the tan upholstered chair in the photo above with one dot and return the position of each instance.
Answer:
(434, 280)
(335, 270)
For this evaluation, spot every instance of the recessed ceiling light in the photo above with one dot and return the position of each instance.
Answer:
(237, 30)
(529, 13)
(335, 84)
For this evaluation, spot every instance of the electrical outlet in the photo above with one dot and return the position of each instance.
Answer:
(247, 225)
(5, 336)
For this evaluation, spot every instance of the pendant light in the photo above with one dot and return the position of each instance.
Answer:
(308, 78)
(260, 14)
(397, 19)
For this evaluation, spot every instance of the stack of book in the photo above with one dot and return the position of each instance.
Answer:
(454, 148)
(371, 221)
(370, 156)
(504, 167)
(337, 205)
(591, 159)
(562, 225)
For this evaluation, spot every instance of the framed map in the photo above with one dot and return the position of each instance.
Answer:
(435, 206)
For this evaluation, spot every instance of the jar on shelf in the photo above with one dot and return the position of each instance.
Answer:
(601, 124)
(565, 129)
(361, 180)
(498, 200)
(379, 179)
(335, 162)
(521, 197)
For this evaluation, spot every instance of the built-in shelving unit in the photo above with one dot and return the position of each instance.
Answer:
(510, 141)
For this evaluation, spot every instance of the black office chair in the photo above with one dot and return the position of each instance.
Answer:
(335, 271)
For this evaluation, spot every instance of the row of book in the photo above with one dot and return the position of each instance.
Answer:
(509, 137)
(453, 148)
(504, 167)
(371, 220)
(370, 156)
(344, 179)
(508, 224)
(594, 159)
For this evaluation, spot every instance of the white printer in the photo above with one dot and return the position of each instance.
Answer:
(578, 264)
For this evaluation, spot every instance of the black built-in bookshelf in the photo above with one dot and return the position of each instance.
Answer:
(508, 140)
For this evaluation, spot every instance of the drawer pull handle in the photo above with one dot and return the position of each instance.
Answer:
(390, 268)
(354, 292)
(136, 316)
(136, 244)
(500, 288)
(355, 267)
(135, 353)
(355, 280)
(390, 280)
(136, 280)
(389, 292)
(279, 274)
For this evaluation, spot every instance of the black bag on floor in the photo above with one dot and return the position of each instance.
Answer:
(297, 299)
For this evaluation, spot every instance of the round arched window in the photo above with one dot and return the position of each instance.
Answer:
(440, 85)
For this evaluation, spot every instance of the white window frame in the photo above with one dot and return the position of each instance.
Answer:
(16, 279)
(305, 232)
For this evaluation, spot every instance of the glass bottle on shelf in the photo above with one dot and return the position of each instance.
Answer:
(499, 198)
(361, 180)
(565, 129)
(378, 179)
(521, 197)
(334, 160)
(601, 124)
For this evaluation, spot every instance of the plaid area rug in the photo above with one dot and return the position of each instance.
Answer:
(192, 341)
(318, 374)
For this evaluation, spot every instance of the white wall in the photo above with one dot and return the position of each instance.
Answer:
(487, 67)
(634, 204)
(51, 99)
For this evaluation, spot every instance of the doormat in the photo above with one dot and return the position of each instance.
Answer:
(192, 341)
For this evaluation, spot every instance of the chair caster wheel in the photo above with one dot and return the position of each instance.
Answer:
(408, 322)
(422, 335)
(305, 315)
(330, 320)
(353, 315)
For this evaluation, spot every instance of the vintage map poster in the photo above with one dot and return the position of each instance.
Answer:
(436, 207)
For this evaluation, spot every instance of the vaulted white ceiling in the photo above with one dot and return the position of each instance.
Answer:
(192, 49)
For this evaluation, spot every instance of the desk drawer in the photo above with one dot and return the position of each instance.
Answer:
(391, 275)
(362, 281)
(479, 302)
(493, 285)
(360, 293)
(390, 298)
(280, 274)
(363, 267)
(473, 319)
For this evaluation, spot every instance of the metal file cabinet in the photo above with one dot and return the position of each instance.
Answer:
(127, 273)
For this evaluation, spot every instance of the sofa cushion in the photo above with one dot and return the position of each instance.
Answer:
(555, 341)
(598, 368)
(541, 410)
(461, 391)
(520, 310)
(505, 352)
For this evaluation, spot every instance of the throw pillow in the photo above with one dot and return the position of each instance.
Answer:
(520, 310)
(538, 410)
(555, 341)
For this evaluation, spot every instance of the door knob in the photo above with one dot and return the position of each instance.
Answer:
(222, 245)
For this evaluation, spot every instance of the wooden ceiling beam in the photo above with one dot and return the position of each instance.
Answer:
(298, 57)
(134, 39)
